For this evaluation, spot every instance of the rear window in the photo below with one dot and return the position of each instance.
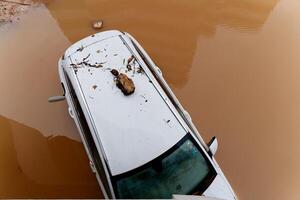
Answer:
(185, 169)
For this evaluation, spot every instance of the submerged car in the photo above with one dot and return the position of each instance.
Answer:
(143, 144)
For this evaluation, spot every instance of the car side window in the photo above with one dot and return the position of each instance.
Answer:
(88, 137)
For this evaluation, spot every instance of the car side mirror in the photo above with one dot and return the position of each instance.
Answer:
(56, 98)
(213, 146)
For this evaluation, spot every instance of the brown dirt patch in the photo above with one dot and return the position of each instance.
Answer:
(11, 9)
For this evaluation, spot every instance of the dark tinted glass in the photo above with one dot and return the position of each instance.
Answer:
(182, 171)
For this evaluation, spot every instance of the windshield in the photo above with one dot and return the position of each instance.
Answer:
(184, 169)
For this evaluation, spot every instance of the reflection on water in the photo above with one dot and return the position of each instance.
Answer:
(167, 29)
(29, 52)
(244, 88)
(33, 166)
(234, 64)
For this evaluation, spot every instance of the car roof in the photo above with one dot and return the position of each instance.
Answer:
(134, 129)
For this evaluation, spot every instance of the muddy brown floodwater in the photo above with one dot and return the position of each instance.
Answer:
(234, 64)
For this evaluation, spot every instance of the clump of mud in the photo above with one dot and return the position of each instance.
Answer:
(10, 10)
(124, 83)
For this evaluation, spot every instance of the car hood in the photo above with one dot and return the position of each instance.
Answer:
(220, 189)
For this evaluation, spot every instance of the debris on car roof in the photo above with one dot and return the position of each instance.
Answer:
(130, 59)
(124, 83)
(94, 87)
(114, 72)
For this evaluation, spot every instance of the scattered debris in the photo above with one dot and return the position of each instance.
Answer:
(130, 59)
(130, 63)
(98, 24)
(75, 67)
(129, 67)
(94, 87)
(80, 48)
(86, 57)
(79, 65)
(167, 122)
(96, 65)
(114, 72)
(140, 70)
(98, 51)
(115, 54)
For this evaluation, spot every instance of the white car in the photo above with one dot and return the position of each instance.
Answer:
(142, 144)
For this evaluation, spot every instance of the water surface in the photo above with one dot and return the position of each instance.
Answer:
(233, 64)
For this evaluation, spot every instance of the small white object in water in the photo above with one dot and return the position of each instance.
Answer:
(97, 24)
